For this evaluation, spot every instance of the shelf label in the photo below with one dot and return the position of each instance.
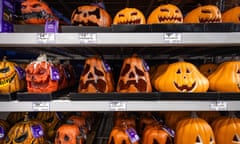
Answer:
(219, 105)
(172, 37)
(43, 38)
(88, 37)
(118, 106)
(40, 106)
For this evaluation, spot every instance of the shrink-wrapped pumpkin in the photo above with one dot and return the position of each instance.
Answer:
(96, 76)
(182, 77)
(91, 15)
(204, 14)
(134, 76)
(164, 14)
(231, 15)
(36, 12)
(12, 77)
(129, 16)
(42, 76)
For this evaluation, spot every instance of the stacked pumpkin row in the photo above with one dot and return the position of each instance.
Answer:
(47, 127)
(188, 129)
(96, 15)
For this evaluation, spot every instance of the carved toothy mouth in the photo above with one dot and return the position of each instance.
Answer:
(81, 23)
(169, 19)
(185, 88)
(99, 84)
(141, 85)
(7, 80)
(39, 85)
(136, 21)
(40, 15)
(210, 20)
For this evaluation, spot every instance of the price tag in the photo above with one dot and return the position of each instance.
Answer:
(118, 106)
(88, 37)
(219, 105)
(43, 38)
(172, 37)
(41, 106)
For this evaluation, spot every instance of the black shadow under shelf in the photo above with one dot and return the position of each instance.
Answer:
(8, 96)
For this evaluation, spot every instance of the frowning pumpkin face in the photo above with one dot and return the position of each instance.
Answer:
(167, 13)
(129, 16)
(90, 15)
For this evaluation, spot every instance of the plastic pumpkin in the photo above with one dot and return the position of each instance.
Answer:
(227, 130)
(68, 134)
(182, 77)
(159, 70)
(173, 117)
(207, 68)
(231, 15)
(129, 16)
(36, 12)
(26, 132)
(204, 14)
(42, 76)
(194, 130)
(226, 77)
(134, 76)
(166, 13)
(12, 77)
(90, 15)
(96, 76)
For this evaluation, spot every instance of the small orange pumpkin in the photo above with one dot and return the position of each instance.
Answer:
(129, 16)
(134, 76)
(204, 14)
(36, 12)
(231, 15)
(91, 15)
(182, 77)
(165, 13)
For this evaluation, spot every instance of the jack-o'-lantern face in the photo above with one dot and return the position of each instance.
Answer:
(129, 16)
(204, 14)
(35, 12)
(42, 76)
(231, 15)
(134, 76)
(167, 13)
(96, 76)
(10, 77)
(90, 15)
(68, 134)
(182, 77)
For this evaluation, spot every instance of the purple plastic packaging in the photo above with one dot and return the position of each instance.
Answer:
(6, 15)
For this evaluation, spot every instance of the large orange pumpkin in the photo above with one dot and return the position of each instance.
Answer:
(166, 13)
(231, 15)
(91, 15)
(36, 12)
(129, 16)
(182, 77)
(134, 76)
(204, 14)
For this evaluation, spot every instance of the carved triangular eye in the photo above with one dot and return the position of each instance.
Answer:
(198, 140)
(155, 141)
(238, 72)
(236, 138)
(212, 140)
(178, 71)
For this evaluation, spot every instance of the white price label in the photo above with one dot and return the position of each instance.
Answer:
(88, 37)
(41, 106)
(172, 37)
(46, 38)
(118, 106)
(219, 105)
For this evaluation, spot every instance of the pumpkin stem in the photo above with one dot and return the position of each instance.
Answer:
(194, 115)
(42, 57)
(4, 58)
(231, 114)
(26, 118)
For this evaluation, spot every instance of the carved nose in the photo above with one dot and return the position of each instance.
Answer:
(85, 15)
(90, 75)
(131, 75)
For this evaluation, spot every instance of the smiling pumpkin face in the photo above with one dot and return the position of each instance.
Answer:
(182, 77)
(166, 13)
(129, 16)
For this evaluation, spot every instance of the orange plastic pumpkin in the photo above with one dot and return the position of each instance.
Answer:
(159, 70)
(182, 77)
(134, 76)
(173, 117)
(166, 13)
(12, 77)
(204, 14)
(129, 16)
(194, 130)
(91, 15)
(227, 130)
(42, 76)
(36, 12)
(226, 77)
(231, 15)
(96, 76)
(207, 68)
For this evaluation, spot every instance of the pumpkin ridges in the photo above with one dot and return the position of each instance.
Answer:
(231, 15)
